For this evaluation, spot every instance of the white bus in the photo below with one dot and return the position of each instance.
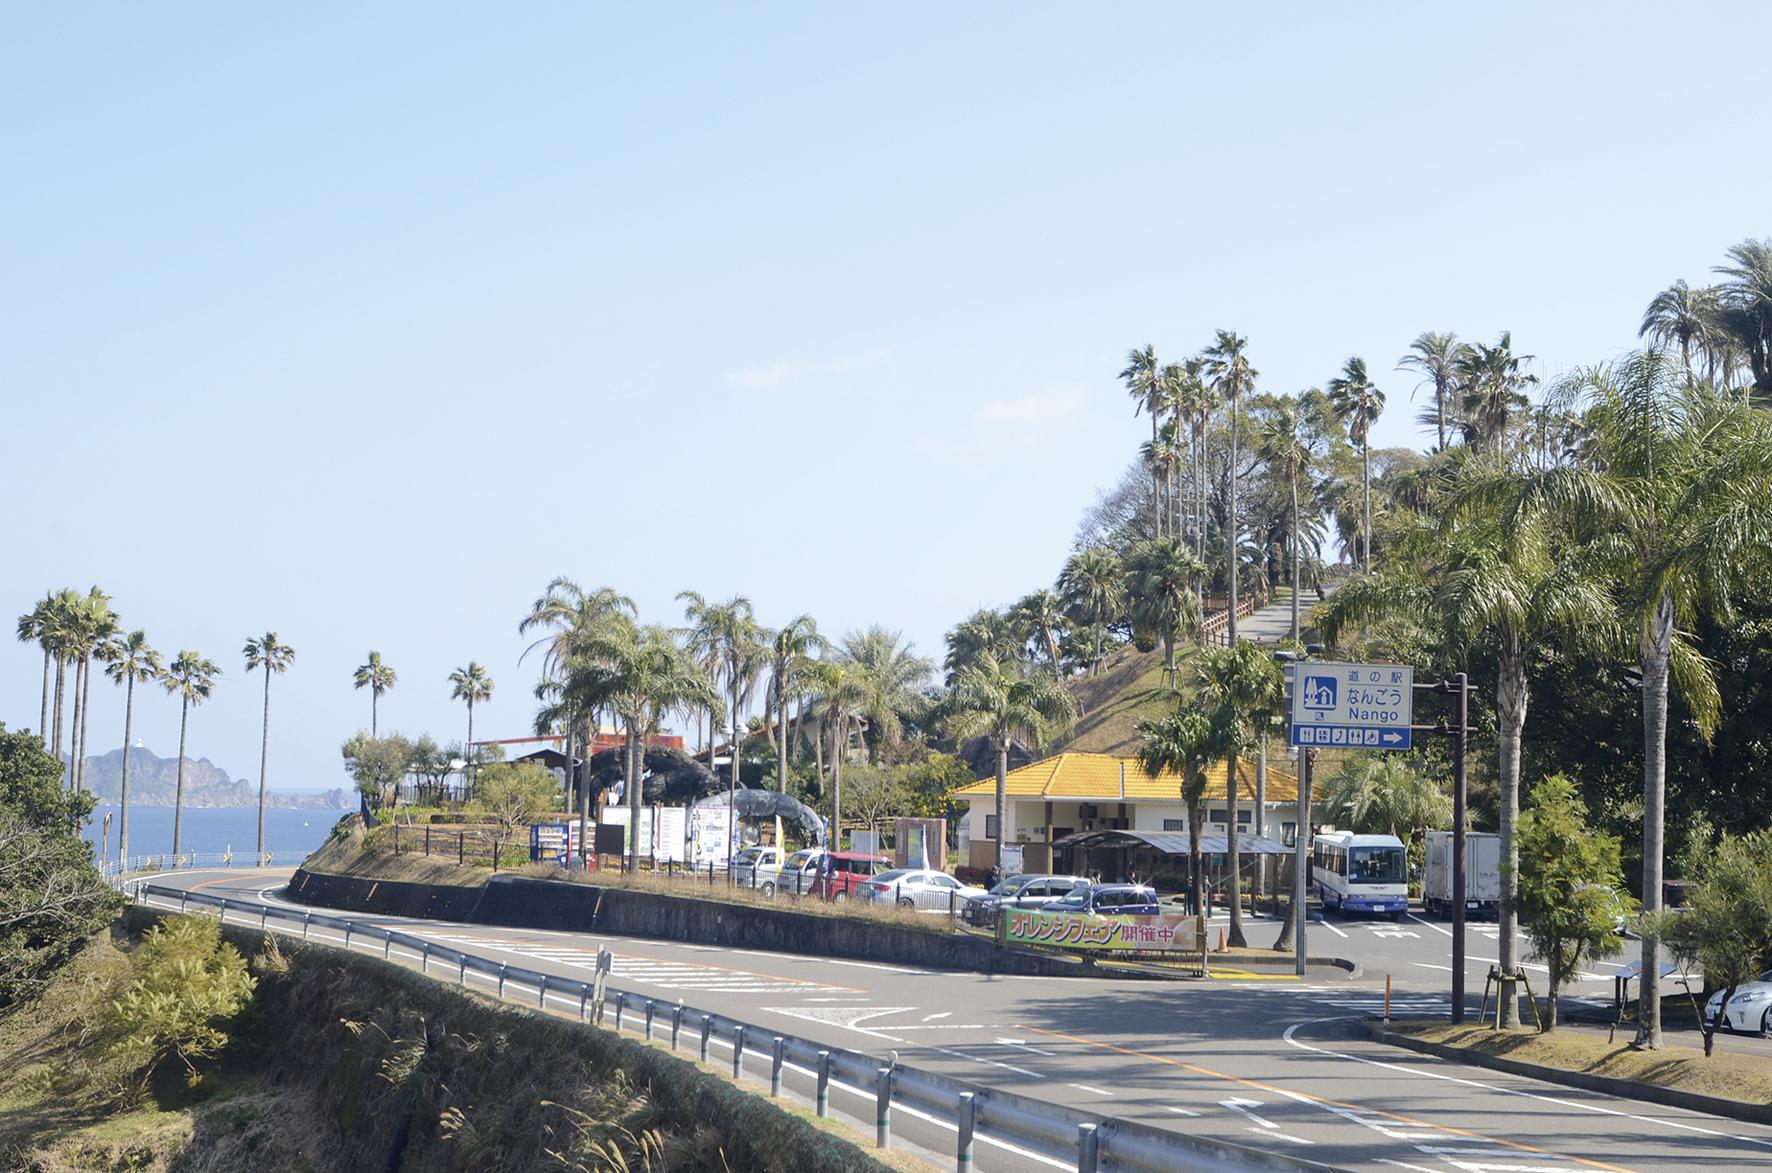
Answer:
(1360, 873)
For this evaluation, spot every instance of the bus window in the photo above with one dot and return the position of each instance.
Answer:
(1376, 865)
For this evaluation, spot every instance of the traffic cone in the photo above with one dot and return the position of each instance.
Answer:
(1221, 938)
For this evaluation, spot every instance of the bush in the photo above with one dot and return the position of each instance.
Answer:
(183, 985)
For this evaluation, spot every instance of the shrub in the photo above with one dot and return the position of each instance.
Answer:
(183, 985)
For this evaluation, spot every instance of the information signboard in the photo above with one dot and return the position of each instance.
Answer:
(1352, 706)
(1069, 930)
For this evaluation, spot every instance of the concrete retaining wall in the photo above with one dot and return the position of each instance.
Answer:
(520, 902)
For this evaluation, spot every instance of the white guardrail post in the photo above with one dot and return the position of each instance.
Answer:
(1054, 1130)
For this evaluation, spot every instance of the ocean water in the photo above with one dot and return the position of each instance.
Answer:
(216, 829)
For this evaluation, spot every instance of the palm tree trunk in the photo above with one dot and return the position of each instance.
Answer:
(1510, 710)
(1258, 823)
(1295, 578)
(85, 717)
(839, 736)
(264, 757)
(732, 772)
(1157, 504)
(123, 794)
(1654, 654)
(178, 794)
(43, 721)
(1366, 504)
(1230, 537)
(1440, 411)
(74, 726)
(1196, 865)
(631, 779)
(1002, 797)
(374, 709)
(61, 668)
(781, 735)
(470, 748)
(1234, 881)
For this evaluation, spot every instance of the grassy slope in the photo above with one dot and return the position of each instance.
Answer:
(1129, 688)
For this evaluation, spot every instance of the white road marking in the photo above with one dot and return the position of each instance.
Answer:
(844, 1017)
(1022, 1043)
(1320, 920)
(1264, 1127)
(1094, 1091)
(991, 1062)
(1430, 924)
(1179, 1111)
(933, 1017)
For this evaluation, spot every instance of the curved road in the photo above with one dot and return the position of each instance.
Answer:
(1275, 1063)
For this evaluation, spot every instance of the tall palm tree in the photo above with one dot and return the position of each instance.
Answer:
(1677, 315)
(1240, 683)
(192, 679)
(1093, 585)
(792, 652)
(728, 635)
(473, 684)
(1436, 358)
(1288, 454)
(996, 700)
(1187, 743)
(274, 656)
(1195, 402)
(891, 677)
(1358, 403)
(1041, 614)
(129, 661)
(60, 631)
(1144, 382)
(1748, 294)
(1162, 577)
(985, 632)
(88, 623)
(841, 698)
(572, 615)
(1227, 365)
(378, 677)
(1493, 383)
(33, 627)
(1673, 503)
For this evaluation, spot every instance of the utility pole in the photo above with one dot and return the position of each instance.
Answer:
(1301, 854)
(1459, 731)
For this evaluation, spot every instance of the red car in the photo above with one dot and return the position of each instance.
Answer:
(842, 873)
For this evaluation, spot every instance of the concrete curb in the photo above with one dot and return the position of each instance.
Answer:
(1628, 1089)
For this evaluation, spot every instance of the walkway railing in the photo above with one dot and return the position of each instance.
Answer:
(114, 870)
(1053, 1134)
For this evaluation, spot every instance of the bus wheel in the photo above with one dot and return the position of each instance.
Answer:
(1396, 917)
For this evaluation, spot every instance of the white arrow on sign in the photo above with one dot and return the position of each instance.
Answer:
(1390, 737)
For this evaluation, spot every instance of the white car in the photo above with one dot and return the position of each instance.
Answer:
(749, 865)
(1750, 1007)
(921, 888)
(796, 874)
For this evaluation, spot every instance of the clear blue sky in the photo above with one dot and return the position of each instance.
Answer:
(361, 323)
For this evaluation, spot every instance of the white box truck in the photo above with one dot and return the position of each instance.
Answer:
(1482, 874)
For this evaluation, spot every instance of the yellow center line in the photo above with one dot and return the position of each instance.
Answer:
(1289, 1093)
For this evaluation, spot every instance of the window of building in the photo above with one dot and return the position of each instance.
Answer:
(1174, 824)
(1289, 834)
(990, 826)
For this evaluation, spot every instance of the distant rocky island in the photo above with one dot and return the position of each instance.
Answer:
(153, 781)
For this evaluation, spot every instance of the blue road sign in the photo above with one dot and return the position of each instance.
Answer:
(1352, 706)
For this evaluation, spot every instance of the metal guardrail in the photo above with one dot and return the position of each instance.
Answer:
(1097, 1143)
(114, 870)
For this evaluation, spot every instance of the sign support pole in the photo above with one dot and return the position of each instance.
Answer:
(1301, 854)
(1460, 743)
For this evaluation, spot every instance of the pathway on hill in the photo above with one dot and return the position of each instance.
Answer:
(1273, 623)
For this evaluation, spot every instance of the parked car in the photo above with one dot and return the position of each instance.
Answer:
(922, 888)
(748, 865)
(1108, 900)
(1616, 901)
(844, 872)
(1750, 1007)
(796, 874)
(1028, 891)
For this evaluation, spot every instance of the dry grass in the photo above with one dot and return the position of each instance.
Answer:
(1128, 688)
(1727, 1074)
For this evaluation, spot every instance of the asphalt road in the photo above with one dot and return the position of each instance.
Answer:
(1275, 1062)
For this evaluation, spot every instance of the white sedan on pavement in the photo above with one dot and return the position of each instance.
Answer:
(921, 888)
(1750, 1007)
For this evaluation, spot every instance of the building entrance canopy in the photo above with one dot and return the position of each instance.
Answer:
(1172, 843)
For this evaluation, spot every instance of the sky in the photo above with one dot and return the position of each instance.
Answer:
(361, 323)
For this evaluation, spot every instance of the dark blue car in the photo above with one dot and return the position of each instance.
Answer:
(1108, 900)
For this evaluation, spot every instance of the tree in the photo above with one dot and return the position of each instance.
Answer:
(376, 765)
(1092, 584)
(59, 624)
(1436, 357)
(986, 633)
(1726, 927)
(1748, 295)
(1161, 576)
(1568, 885)
(472, 685)
(930, 784)
(34, 626)
(192, 679)
(130, 661)
(515, 795)
(1679, 315)
(52, 898)
(1188, 743)
(1227, 364)
(728, 634)
(1040, 615)
(378, 677)
(1144, 382)
(1241, 682)
(890, 677)
(1358, 403)
(1672, 503)
(875, 791)
(274, 656)
(1384, 793)
(184, 983)
(574, 616)
(995, 700)
(1284, 448)
(1492, 382)
(792, 652)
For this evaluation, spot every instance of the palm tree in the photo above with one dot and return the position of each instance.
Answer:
(1673, 503)
(1677, 314)
(1384, 794)
(1358, 404)
(793, 651)
(1241, 682)
(1493, 383)
(1194, 404)
(1227, 364)
(1283, 447)
(1748, 295)
(573, 615)
(268, 652)
(841, 697)
(1436, 358)
(1187, 743)
(34, 627)
(60, 630)
(129, 661)
(473, 684)
(377, 677)
(1162, 576)
(891, 679)
(1144, 382)
(89, 622)
(985, 632)
(727, 635)
(1092, 584)
(995, 700)
(1041, 614)
(192, 678)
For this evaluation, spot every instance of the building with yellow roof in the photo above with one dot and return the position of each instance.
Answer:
(1074, 792)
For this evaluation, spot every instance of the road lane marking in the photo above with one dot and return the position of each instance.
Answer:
(1338, 1106)
(991, 1062)
(1179, 1111)
(1022, 1043)
(1322, 920)
(942, 1014)
(1597, 1108)
(1430, 924)
(1264, 1126)
(1094, 1091)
